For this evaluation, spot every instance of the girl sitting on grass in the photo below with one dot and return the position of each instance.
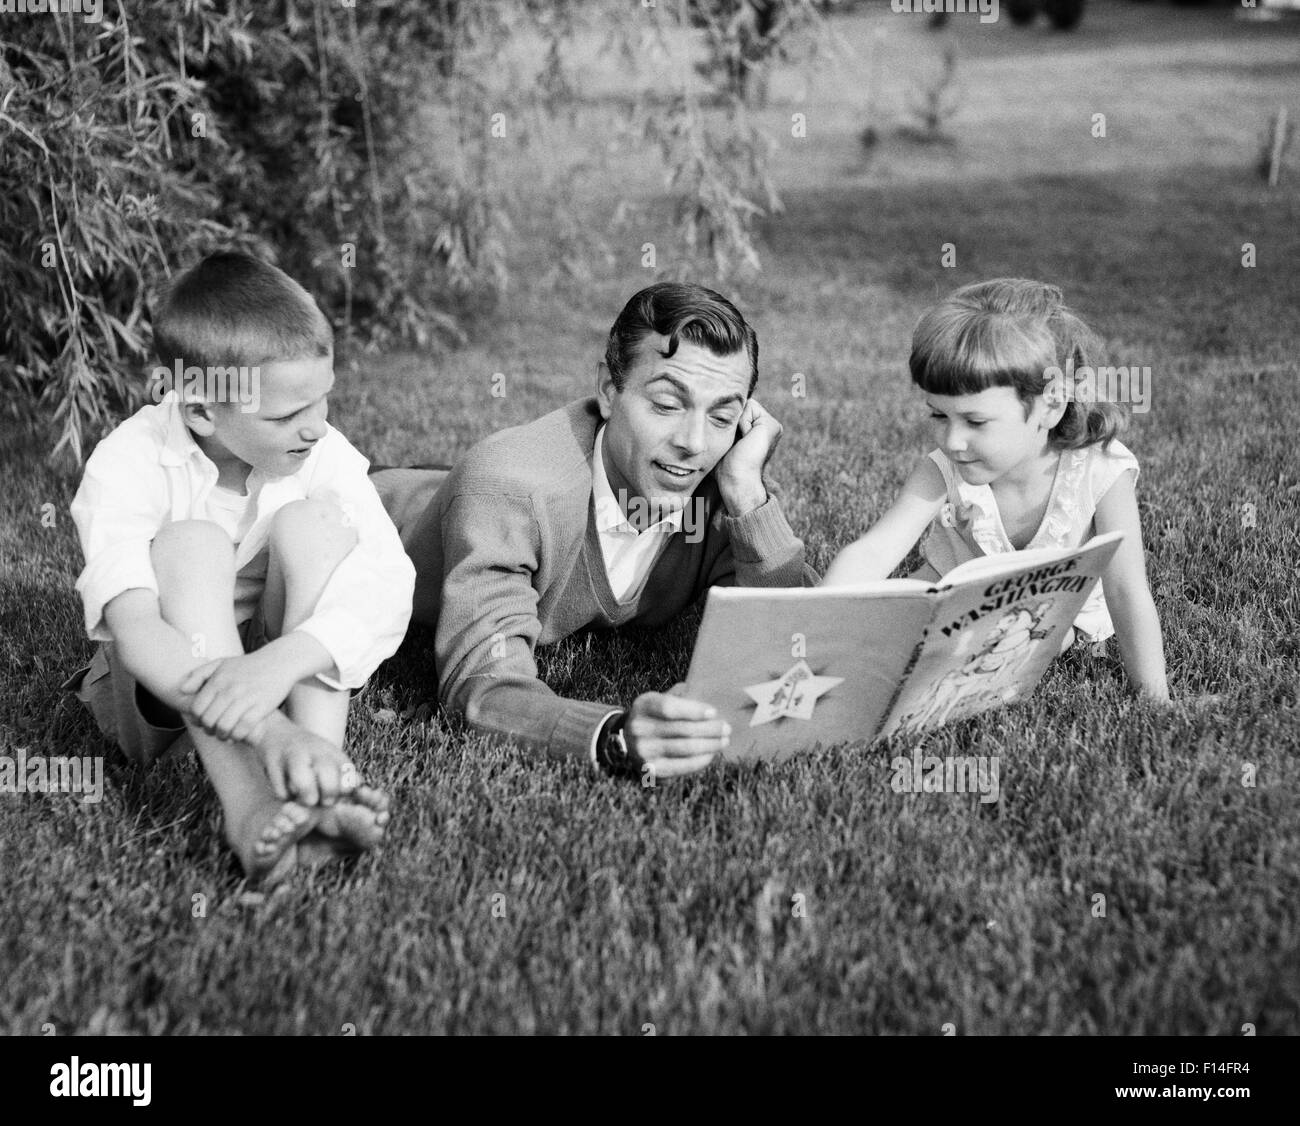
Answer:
(1021, 463)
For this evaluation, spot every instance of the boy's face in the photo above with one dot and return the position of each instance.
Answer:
(673, 421)
(278, 437)
(987, 434)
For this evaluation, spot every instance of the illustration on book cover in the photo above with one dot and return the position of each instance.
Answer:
(988, 676)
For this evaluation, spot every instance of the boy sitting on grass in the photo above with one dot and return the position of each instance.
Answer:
(239, 562)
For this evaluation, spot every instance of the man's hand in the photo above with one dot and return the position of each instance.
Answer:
(674, 735)
(740, 472)
(234, 695)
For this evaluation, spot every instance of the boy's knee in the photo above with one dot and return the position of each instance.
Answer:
(184, 540)
(315, 525)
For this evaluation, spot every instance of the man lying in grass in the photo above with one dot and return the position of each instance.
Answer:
(622, 508)
(238, 561)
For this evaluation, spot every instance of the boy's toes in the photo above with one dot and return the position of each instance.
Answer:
(270, 854)
(371, 798)
(352, 827)
(291, 818)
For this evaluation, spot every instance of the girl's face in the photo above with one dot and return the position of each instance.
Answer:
(987, 435)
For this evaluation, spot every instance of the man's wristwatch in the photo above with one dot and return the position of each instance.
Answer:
(612, 751)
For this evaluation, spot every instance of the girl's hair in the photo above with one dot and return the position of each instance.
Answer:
(1012, 332)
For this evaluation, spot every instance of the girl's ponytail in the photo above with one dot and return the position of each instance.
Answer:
(1091, 420)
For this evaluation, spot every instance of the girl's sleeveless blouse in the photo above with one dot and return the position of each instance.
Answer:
(969, 524)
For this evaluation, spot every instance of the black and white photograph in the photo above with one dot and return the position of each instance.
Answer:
(650, 518)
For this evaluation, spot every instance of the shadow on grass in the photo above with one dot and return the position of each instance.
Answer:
(1131, 248)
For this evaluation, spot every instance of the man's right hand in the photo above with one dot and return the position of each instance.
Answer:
(674, 735)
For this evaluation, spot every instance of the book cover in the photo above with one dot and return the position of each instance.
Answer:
(792, 668)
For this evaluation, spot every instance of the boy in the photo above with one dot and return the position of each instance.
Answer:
(238, 560)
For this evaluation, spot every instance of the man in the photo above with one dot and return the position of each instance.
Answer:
(620, 509)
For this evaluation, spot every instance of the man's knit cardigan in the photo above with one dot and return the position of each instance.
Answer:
(508, 557)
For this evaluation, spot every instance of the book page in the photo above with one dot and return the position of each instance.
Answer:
(993, 635)
(790, 668)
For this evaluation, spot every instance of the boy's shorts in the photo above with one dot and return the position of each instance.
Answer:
(127, 712)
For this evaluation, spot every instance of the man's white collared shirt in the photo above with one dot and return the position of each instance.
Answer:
(629, 555)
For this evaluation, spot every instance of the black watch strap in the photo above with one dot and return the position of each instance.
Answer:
(612, 751)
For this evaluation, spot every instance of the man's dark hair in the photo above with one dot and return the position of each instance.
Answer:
(232, 308)
(679, 311)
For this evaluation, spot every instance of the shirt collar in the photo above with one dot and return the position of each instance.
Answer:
(180, 446)
(609, 514)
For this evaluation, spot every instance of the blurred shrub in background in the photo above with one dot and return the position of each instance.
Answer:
(298, 129)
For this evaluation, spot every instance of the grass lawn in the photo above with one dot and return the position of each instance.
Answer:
(618, 907)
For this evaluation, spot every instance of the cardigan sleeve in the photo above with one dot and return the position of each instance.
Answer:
(761, 550)
(488, 626)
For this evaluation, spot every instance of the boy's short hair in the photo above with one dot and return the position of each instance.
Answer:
(234, 309)
(679, 311)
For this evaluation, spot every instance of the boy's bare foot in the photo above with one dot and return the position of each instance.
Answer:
(267, 840)
(303, 766)
(351, 826)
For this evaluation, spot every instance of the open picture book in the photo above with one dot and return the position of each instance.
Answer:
(790, 668)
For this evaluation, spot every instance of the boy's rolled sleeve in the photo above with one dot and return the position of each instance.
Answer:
(362, 614)
(118, 510)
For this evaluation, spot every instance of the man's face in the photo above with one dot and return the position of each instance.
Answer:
(673, 421)
(278, 437)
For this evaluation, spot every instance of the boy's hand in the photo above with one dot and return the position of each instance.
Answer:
(305, 767)
(232, 696)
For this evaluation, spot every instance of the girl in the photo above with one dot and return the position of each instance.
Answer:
(1020, 462)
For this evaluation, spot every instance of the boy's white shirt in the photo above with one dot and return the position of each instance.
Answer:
(150, 472)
